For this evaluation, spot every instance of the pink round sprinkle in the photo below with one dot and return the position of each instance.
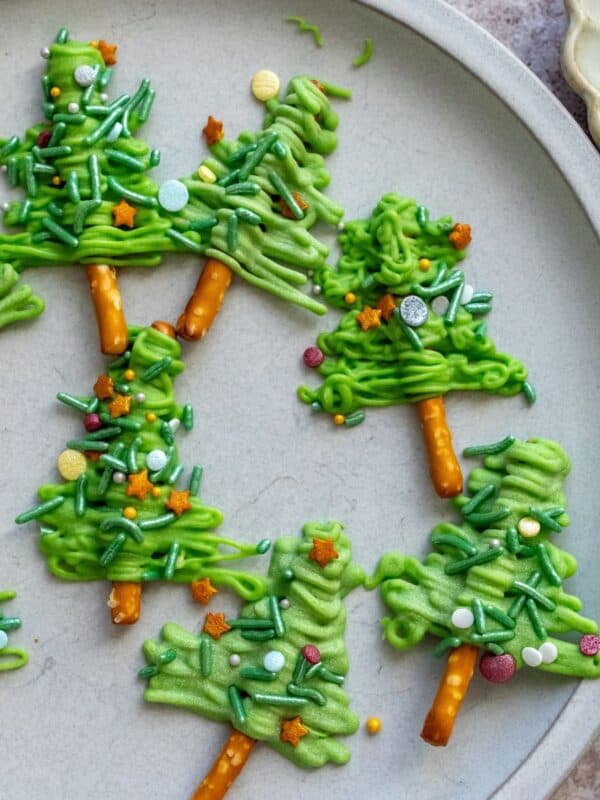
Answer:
(313, 357)
(311, 653)
(92, 422)
(589, 644)
(497, 669)
(43, 138)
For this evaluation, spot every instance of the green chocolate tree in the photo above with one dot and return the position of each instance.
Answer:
(275, 673)
(89, 198)
(10, 657)
(494, 582)
(118, 515)
(415, 330)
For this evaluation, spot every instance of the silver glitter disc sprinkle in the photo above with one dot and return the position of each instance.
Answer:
(413, 311)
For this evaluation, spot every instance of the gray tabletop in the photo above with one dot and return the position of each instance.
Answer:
(534, 30)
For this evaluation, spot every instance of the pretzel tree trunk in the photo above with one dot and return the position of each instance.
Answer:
(112, 326)
(444, 468)
(451, 692)
(226, 768)
(205, 302)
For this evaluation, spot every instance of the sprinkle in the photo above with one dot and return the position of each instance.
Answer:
(489, 449)
(484, 519)
(492, 636)
(446, 644)
(149, 671)
(478, 615)
(81, 495)
(120, 406)
(156, 460)
(529, 392)
(59, 232)
(350, 298)
(213, 131)
(386, 304)
(549, 652)
(477, 308)
(178, 502)
(206, 656)
(171, 561)
(250, 623)
(547, 566)
(173, 195)
(126, 424)
(265, 85)
(499, 616)
(352, 420)
(284, 603)
(306, 27)
(258, 635)
(176, 473)
(71, 464)
(531, 656)
(129, 512)
(310, 694)
(156, 369)
(74, 402)
(535, 619)
(323, 551)
(547, 518)
(531, 592)
(276, 617)
(187, 417)
(453, 307)
(114, 132)
(203, 224)
(183, 240)
(119, 477)
(462, 618)
(139, 397)
(311, 654)
(528, 527)
(232, 232)
(366, 54)
(203, 590)
(460, 237)
(287, 212)
(478, 498)
(373, 725)
(207, 175)
(454, 567)
(135, 197)
(146, 106)
(215, 625)
(151, 417)
(166, 431)
(313, 357)
(279, 700)
(113, 462)
(124, 214)
(255, 158)
(282, 189)
(369, 318)
(234, 660)
(589, 645)
(195, 480)
(157, 522)
(263, 546)
(497, 668)
(274, 661)
(41, 510)
(138, 483)
(455, 541)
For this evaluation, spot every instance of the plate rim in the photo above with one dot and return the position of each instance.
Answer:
(570, 150)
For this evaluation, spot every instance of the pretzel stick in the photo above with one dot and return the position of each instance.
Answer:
(108, 306)
(443, 465)
(125, 602)
(439, 722)
(226, 768)
(204, 304)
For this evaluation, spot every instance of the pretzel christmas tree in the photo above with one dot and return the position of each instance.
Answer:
(494, 582)
(415, 330)
(118, 513)
(89, 198)
(276, 672)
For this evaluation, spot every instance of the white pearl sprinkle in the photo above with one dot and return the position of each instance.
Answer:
(140, 397)
(234, 660)
(440, 304)
(531, 656)
(462, 618)
(494, 543)
(45, 52)
(119, 477)
(5, 206)
(284, 603)
(103, 97)
(274, 661)
(156, 459)
(316, 289)
(73, 108)
(174, 424)
(341, 226)
(467, 294)
(3, 640)
(528, 527)
(548, 652)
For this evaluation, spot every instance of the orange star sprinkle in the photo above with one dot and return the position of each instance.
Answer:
(213, 131)
(120, 406)
(369, 318)
(179, 502)
(104, 388)
(108, 52)
(292, 730)
(286, 211)
(460, 236)
(203, 590)
(139, 485)
(323, 551)
(216, 625)
(124, 214)
(387, 306)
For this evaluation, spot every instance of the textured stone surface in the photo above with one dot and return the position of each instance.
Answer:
(534, 30)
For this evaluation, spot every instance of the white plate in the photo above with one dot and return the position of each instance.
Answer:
(494, 150)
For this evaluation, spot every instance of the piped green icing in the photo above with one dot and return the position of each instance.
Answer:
(10, 657)
(394, 363)
(316, 615)
(517, 598)
(97, 167)
(100, 542)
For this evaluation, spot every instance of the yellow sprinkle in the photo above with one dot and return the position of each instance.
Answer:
(156, 491)
(528, 527)
(424, 264)
(55, 92)
(373, 725)
(129, 374)
(71, 464)
(56, 181)
(265, 85)
(350, 298)
(206, 174)
(151, 417)
(129, 512)
(339, 419)
(94, 43)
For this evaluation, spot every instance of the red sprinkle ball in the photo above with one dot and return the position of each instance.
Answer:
(589, 644)
(92, 422)
(497, 669)
(313, 357)
(43, 139)
(311, 653)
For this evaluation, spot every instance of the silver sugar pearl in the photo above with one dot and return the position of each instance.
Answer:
(284, 603)
(119, 477)
(340, 226)
(234, 660)
(5, 206)
(103, 97)
(493, 544)
(140, 397)
(413, 311)
(316, 289)
(45, 52)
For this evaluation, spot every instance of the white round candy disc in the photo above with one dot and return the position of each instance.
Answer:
(173, 195)
(265, 85)
(274, 661)
(531, 656)
(413, 310)
(548, 652)
(3, 640)
(440, 304)
(85, 75)
(156, 459)
(462, 618)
